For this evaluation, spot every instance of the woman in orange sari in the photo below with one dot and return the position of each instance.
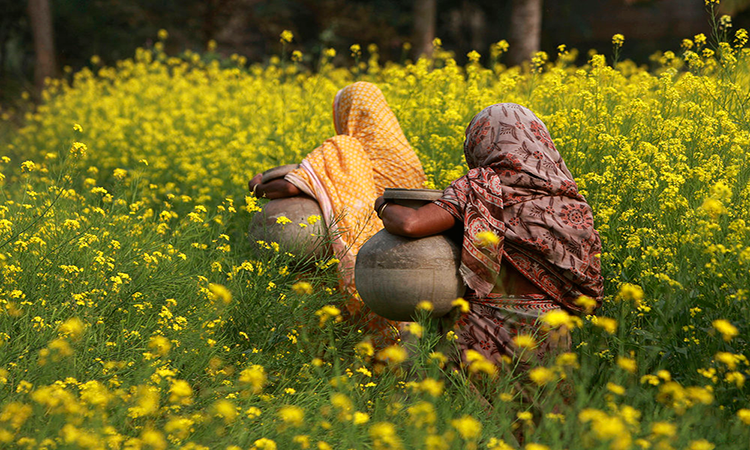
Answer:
(346, 174)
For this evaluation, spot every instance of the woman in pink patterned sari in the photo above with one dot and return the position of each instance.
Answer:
(541, 252)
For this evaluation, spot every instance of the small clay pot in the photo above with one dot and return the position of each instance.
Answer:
(310, 239)
(394, 274)
(303, 236)
(277, 172)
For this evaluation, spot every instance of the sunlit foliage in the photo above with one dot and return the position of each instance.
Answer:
(135, 314)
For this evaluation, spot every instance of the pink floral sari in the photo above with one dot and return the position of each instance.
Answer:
(519, 188)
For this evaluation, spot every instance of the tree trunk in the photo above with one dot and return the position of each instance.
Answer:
(4, 32)
(40, 18)
(525, 30)
(425, 18)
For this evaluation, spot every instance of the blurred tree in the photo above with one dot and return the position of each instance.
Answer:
(525, 30)
(730, 7)
(40, 20)
(425, 21)
(733, 7)
(212, 12)
(253, 29)
(112, 29)
(11, 23)
(464, 27)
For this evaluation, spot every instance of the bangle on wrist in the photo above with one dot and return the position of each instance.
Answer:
(253, 191)
(382, 208)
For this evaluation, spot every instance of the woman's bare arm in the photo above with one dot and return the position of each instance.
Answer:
(278, 188)
(404, 221)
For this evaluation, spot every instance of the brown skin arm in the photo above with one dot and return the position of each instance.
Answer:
(278, 188)
(415, 223)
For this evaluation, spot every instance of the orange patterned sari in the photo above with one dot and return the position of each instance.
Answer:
(350, 170)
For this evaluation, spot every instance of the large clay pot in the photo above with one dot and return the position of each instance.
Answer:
(394, 274)
(306, 234)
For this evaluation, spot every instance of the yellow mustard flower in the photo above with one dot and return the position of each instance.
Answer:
(627, 364)
(727, 330)
(468, 427)
(461, 304)
(393, 354)
(291, 415)
(302, 287)
(286, 36)
(487, 239)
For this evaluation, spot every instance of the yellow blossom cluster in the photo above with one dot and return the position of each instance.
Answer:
(134, 313)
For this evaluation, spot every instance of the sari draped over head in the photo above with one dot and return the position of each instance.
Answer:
(519, 188)
(350, 170)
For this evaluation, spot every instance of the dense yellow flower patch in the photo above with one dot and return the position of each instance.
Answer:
(135, 314)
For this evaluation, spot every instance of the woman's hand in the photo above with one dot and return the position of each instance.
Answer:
(277, 188)
(255, 181)
(404, 221)
(379, 202)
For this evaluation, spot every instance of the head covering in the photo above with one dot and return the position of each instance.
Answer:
(349, 171)
(361, 111)
(519, 188)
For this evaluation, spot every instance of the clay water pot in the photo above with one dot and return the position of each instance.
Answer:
(394, 274)
(301, 236)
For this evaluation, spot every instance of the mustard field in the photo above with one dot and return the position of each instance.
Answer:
(135, 313)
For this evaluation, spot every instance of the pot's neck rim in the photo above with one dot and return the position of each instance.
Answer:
(412, 194)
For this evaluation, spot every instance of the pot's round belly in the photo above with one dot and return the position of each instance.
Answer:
(393, 274)
(304, 235)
